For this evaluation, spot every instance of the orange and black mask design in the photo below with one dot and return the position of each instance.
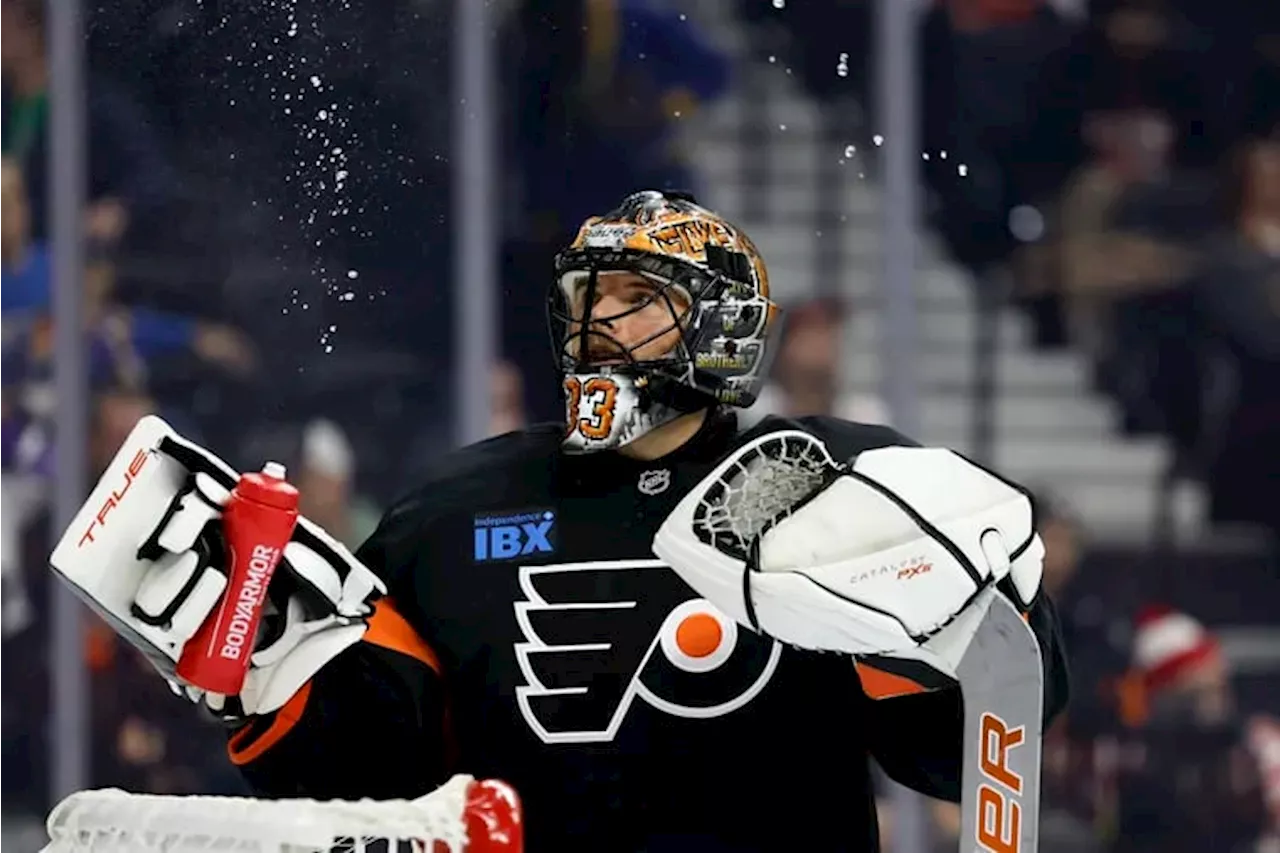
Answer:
(706, 273)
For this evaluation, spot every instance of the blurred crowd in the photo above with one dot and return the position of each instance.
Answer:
(270, 269)
(268, 240)
(1121, 186)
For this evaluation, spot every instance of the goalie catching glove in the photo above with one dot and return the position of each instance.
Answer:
(146, 552)
(886, 556)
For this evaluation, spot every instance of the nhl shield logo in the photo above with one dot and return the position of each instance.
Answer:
(654, 482)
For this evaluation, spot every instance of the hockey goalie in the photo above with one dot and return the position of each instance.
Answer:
(667, 633)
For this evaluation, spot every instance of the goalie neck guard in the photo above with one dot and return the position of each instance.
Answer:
(705, 273)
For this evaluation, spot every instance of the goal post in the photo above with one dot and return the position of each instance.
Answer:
(464, 815)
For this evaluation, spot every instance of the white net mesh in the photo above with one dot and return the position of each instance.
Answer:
(113, 821)
(762, 487)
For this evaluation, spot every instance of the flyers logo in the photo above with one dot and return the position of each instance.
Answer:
(600, 634)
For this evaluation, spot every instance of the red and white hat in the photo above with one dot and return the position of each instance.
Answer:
(1167, 644)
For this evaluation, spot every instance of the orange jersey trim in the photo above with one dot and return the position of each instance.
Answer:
(286, 718)
(878, 684)
(390, 630)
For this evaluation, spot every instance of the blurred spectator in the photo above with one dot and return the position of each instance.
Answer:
(1182, 669)
(806, 377)
(1263, 736)
(508, 399)
(123, 340)
(115, 413)
(1123, 110)
(1095, 631)
(1239, 295)
(1120, 235)
(322, 464)
(981, 60)
(129, 176)
(510, 410)
(1134, 55)
(602, 87)
(1259, 105)
(1063, 537)
(325, 482)
(145, 738)
(1061, 533)
(24, 490)
(1190, 781)
(25, 261)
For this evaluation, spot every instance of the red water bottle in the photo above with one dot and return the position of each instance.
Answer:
(257, 523)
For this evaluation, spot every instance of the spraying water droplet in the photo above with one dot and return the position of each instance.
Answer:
(352, 274)
(779, 4)
(962, 169)
(878, 140)
(850, 150)
(842, 67)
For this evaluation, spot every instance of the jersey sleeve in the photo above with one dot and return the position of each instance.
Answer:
(918, 734)
(371, 723)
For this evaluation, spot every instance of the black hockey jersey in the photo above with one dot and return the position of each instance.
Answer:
(530, 635)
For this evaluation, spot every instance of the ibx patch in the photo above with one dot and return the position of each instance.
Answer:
(505, 535)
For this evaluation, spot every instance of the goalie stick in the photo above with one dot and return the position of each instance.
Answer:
(1001, 680)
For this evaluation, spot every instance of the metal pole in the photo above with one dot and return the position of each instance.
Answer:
(988, 298)
(474, 221)
(897, 111)
(69, 728)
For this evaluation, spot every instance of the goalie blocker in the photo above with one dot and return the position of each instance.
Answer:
(629, 711)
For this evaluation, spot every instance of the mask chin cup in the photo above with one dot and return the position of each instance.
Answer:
(606, 409)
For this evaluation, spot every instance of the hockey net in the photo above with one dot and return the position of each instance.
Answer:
(462, 816)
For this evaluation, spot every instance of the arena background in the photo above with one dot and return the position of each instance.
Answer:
(1044, 232)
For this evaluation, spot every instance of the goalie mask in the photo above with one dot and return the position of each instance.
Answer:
(659, 308)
